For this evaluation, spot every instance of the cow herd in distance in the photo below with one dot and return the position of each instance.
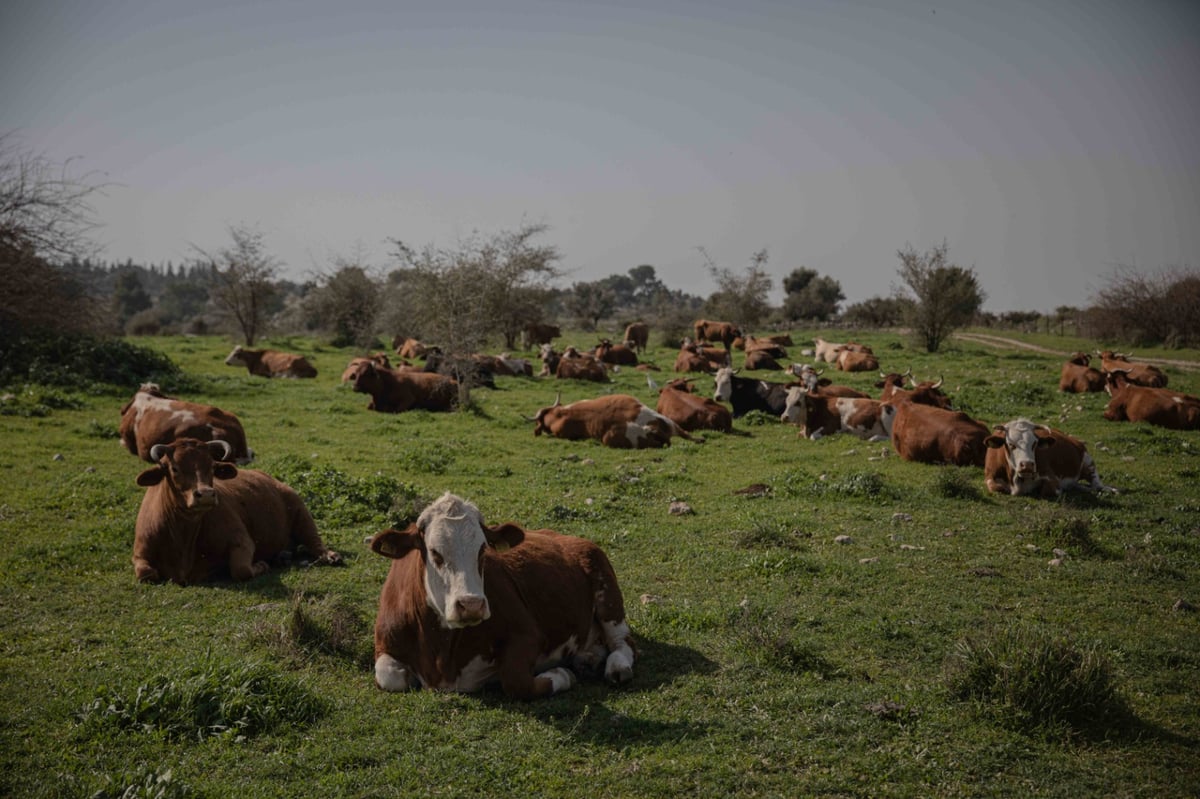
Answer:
(552, 608)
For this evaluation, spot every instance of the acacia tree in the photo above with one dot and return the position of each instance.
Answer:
(944, 295)
(739, 298)
(591, 302)
(243, 280)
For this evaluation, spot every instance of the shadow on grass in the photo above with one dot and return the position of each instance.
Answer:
(582, 713)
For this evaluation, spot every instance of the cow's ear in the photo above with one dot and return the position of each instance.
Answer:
(393, 543)
(504, 536)
(224, 471)
(151, 477)
(994, 441)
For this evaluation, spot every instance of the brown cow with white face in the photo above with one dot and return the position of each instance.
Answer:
(151, 417)
(617, 420)
(1136, 372)
(1027, 459)
(1079, 376)
(820, 416)
(724, 332)
(927, 434)
(271, 363)
(396, 392)
(466, 604)
(201, 516)
(690, 411)
(1157, 406)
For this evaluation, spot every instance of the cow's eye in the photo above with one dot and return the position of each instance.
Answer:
(437, 558)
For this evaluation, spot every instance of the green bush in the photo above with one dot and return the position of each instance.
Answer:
(336, 498)
(1035, 681)
(78, 360)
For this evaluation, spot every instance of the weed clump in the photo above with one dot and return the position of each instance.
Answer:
(336, 498)
(328, 626)
(1036, 682)
(956, 483)
(236, 702)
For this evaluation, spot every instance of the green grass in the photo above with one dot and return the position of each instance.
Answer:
(937, 653)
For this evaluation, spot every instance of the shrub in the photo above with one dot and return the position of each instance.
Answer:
(336, 498)
(1034, 681)
(213, 700)
(77, 360)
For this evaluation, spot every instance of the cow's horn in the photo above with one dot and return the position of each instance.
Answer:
(941, 380)
(557, 400)
(159, 451)
(220, 449)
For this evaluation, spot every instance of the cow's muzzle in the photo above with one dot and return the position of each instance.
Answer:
(468, 611)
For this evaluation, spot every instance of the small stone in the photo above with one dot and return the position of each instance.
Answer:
(649, 599)
(868, 560)
(843, 539)
(1184, 605)
(912, 546)
(902, 517)
(58, 457)
(680, 509)
(1055, 562)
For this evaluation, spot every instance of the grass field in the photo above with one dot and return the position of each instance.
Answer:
(937, 653)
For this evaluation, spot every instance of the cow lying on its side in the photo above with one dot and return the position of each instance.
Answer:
(200, 515)
(466, 604)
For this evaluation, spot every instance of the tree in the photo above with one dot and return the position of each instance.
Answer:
(243, 278)
(347, 303)
(740, 298)
(945, 295)
(42, 206)
(44, 218)
(810, 296)
(591, 302)
(877, 312)
(484, 285)
(1145, 309)
(129, 296)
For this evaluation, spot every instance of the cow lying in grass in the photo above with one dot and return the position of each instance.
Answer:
(201, 516)
(466, 604)
(1030, 459)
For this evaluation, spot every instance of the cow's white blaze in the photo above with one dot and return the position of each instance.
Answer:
(794, 410)
(454, 546)
(724, 384)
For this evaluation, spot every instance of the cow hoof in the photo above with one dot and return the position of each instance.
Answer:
(619, 669)
(561, 679)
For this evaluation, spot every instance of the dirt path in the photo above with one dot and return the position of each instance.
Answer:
(1010, 343)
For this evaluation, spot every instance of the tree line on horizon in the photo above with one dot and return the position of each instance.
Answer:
(485, 288)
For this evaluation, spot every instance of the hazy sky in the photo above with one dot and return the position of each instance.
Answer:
(1046, 141)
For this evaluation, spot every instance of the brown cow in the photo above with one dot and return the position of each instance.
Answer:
(637, 336)
(1030, 459)
(380, 359)
(1079, 376)
(396, 392)
(760, 359)
(616, 354)
(580, 368)
(1136, 372)
(755, 344)
(1157, 406)
(724, 332)
(409, 348)
(928, 434)
(271, 363)
(691, 411)
(688, 360)
(534, 334)
(466, 604)
(616, 420)
(820, 416)
(151, 417)
(852, 361)
(201, 515)
(926, 392)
